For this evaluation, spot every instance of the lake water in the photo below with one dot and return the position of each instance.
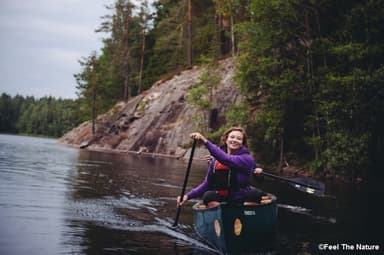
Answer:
(59, 200)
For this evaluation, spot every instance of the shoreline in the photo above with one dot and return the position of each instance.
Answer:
(143, 153)
(288, 171)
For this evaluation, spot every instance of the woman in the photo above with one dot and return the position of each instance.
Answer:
(229, 173)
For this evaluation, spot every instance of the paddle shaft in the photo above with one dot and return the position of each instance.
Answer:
(289, 180)
(185, 182)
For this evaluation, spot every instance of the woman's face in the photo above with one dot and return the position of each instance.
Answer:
(234, 140)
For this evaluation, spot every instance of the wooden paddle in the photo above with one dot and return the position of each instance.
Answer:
(303, 184)
(185, 182)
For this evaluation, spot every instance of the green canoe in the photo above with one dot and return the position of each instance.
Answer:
(234, 229)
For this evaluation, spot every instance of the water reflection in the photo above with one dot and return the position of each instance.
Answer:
(33, 180)
(59, 200)
(136, 195)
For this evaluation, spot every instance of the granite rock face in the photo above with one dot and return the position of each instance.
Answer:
(160, 119)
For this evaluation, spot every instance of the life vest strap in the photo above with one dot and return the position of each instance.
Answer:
(223, 192)
(219, 166)
(222, 177)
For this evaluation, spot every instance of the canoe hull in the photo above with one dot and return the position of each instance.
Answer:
(236, 229)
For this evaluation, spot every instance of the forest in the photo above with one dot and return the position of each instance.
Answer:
(46, 116)
(312, 73)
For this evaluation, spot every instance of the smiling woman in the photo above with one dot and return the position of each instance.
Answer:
(229, 172)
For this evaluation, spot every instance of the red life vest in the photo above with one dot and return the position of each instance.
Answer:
(222, 178)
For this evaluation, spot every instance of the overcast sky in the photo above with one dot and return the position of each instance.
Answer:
(41, 42)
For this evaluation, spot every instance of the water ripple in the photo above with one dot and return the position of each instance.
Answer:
(305, 211)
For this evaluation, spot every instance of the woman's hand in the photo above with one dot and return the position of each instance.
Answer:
(180, 203)
(258, 171)
(208, 158)
(198, 136)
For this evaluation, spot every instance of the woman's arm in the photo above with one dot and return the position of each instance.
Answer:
(242, 162)
(199, 190)
(202, 187)
(195, 192)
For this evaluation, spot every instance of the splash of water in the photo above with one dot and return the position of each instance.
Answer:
(104, 212)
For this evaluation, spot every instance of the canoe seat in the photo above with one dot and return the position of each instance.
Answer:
(264, 200)
(201, 207)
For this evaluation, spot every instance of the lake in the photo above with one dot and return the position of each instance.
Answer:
(60, 200)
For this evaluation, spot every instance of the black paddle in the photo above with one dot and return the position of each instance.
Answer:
(185, 182)
(303, 184)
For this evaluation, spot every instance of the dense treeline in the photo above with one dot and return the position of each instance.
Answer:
(46, 116)
(316, 69)
(312, 71)
(143, 47)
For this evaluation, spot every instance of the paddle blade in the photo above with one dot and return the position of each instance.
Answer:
(308, 185)
(303, 184)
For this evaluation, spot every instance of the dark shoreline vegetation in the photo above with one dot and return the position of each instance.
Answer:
(45, 117)
(311, 72)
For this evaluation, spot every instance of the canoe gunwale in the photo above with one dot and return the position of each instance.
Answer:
(225, 204)
(216, 225)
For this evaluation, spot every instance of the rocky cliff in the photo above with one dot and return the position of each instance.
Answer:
(158, 120)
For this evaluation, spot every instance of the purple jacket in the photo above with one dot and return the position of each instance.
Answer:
(241, 164)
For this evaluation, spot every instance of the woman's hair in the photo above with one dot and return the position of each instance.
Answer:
(224, 136)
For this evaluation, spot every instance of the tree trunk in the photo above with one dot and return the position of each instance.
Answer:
(126, 57)
(232, 38)
(126, 88)
(180, 48)
(219, 27)
(142, 63)
(281, 153)
(93, 106)
(189, 50)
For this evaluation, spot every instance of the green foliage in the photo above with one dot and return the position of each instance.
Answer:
(315, 71)
(347, 153)
(316, 166)
(238, 115)
(311, 71)
(45, 116)
(200, 95)
(122, 66)
(8, 114)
